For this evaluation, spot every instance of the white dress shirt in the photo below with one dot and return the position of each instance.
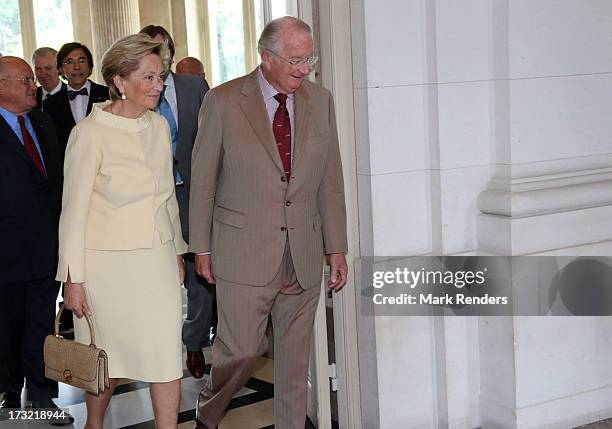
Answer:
(79, 104)
(55, 90)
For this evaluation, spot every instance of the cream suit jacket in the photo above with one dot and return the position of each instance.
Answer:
(118, 189)
(242, 208)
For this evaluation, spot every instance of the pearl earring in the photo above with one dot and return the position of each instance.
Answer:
(123, 97)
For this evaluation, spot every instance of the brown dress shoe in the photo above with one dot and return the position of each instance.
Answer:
(199, 425)
(195, 363)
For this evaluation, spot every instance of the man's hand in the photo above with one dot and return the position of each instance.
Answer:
(338, 271)
(203, 266)
(74, 298)
(181, 268)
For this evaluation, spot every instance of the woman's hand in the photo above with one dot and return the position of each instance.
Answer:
(181, 267)
(74, 298)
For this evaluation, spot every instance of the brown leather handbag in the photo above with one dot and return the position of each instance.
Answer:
(74, 363)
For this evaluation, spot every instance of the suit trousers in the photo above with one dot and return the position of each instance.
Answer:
(241, 337)
(27, 313)
(196, 327)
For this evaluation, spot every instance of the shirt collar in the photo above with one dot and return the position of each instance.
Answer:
(169, 80)
(267, 90)
(87, 85)
(53, 91)
(9, 117)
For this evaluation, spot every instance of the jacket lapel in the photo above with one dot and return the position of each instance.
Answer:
(65, 103)
(254, 109)
(91, 99)
(15, 144)
(182, 93)
(41, 135)
(99, 93)
(302, 123)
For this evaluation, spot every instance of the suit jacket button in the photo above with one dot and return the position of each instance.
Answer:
(283, 179)
(288, 203)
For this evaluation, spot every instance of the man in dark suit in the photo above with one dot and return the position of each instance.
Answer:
(47, 74)
(30, 204)
(70, 105)
(179, 104)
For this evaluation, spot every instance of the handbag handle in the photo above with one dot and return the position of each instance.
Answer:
(92, 335)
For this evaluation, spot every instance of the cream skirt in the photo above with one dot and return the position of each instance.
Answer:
(135, 298)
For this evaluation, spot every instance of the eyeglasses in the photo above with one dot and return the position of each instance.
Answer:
(72, 61)
(26, 80)
(298, 62)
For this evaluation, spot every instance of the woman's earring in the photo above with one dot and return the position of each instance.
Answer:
(123, 97)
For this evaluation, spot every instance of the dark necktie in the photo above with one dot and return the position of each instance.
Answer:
(30, 147)
(73, 94)
(281, 126)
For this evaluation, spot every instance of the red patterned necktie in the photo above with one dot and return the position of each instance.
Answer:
(281, 126)
(30, 147)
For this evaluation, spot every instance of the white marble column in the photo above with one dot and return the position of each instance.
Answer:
(484, 127)
(551, 194)
(110, 21)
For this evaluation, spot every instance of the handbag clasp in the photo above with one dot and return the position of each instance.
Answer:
(67, 375)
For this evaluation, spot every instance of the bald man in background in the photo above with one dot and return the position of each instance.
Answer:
(191, 65)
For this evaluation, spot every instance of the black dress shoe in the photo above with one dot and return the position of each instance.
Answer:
(11, 400)
(196, 363)
(63, 420)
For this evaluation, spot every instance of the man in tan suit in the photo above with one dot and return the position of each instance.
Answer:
(267, 204)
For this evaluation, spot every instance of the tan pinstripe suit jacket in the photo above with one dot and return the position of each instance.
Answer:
(242, 209)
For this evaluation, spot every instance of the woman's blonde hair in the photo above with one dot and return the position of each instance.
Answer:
(124, 56)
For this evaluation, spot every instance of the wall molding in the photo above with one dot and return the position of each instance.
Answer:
(546, 187)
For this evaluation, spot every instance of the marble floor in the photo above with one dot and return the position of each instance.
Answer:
(130, 407)
(251, 408)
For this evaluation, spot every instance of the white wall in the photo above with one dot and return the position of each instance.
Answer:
(509, 97)
(424, 154)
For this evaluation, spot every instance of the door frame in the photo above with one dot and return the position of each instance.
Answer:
(337, 75)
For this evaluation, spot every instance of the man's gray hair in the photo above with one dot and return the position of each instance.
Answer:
(41, 52)
(270, 38)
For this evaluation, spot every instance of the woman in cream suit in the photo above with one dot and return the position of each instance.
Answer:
(121, 245)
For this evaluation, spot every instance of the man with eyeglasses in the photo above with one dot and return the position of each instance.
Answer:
(70, 105)
(267, 206)
(47, 74)
(30, 192)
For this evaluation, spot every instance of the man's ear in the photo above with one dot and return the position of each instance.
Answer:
(265, 55)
